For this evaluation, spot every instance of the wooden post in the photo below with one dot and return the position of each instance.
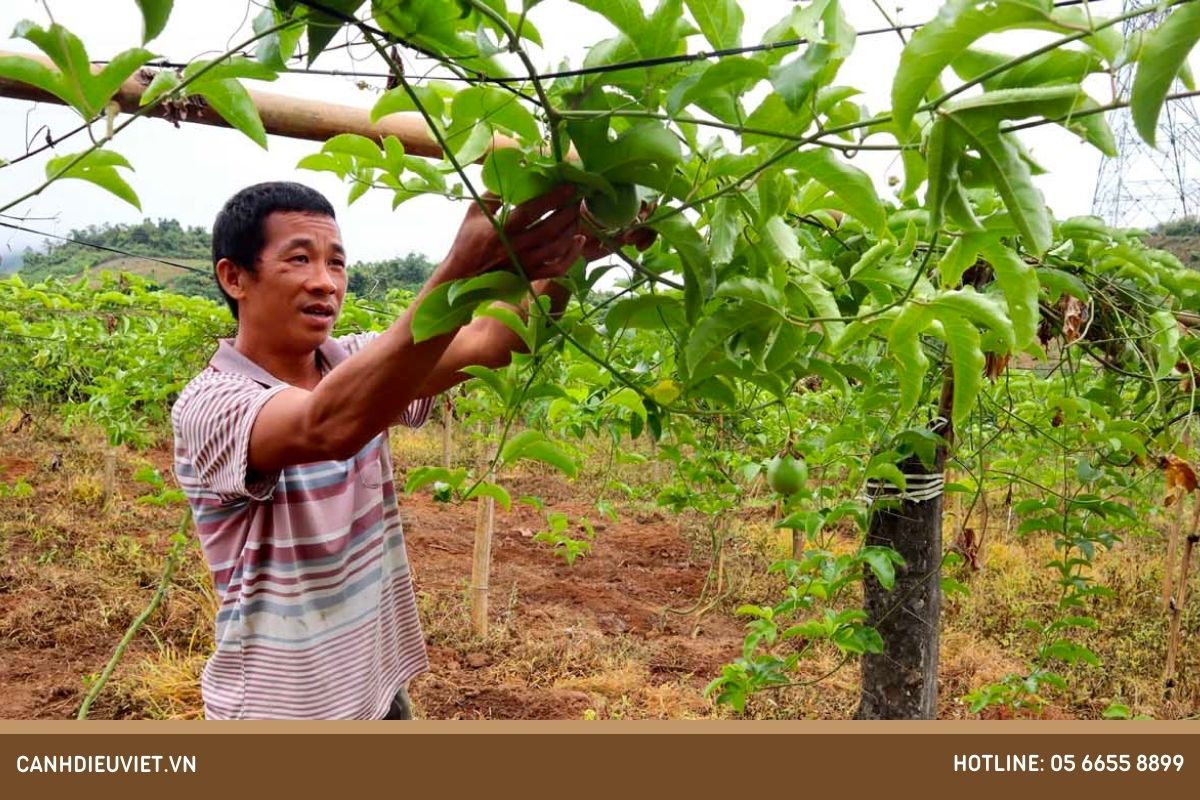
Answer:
(447, 429)
(109, 487)
(481, 560)
(481, 564)
(1177, 603)
(1173, 533)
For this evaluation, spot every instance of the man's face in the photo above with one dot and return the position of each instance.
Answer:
(300, 280)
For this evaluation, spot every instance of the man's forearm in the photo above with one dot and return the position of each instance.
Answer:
(488, 342)
(365, 393)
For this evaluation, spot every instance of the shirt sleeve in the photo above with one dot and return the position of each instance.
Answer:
(213, 419)
(417, 412)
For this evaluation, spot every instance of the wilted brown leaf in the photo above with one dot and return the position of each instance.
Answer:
(1180, 476)
(995, 365)
(1074, 317)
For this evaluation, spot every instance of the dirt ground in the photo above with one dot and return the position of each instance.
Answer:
(630, 631)
(592, 639)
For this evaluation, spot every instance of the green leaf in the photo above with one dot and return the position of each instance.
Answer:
(1166, 342)
(1167, 49)
(712, 332)
(322, 27)
(698, 273)
(882, 562)
(822, 302)
(511, 320)
(508, 174)
(797, 81)
(493, 378)
(981, 309)
(720, 21)
(933, 47)
(534, 445)
(362, 148)
(225, 68)
(98, 167)
(1019, 283)
(753, 290)
(781, 240)
(487, 489)
(1011, 174)
(497, 284)
(851, 185)
(423, 476)
(165, 80)
(625, 15)
(942, 153)
(494, 108)
(644, 145)
(628, 399)
(34, 73)
(904, 343)
(966, 356)
(645, 312)
(232, 102)
(435, 315)
(276, 49)
(1055, 67)
(154, 17)
(75, 84)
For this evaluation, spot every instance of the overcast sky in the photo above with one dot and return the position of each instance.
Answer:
(187, 173)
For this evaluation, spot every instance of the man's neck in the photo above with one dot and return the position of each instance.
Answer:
(298, 368)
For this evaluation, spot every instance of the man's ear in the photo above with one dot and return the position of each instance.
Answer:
(232, 278)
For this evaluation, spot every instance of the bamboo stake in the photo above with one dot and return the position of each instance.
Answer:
(1173, 534)
(109, 487)
(1176, 604)
(481, 560)
(295, 117)
(447, 428)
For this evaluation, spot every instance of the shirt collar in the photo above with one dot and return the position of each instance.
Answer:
(229, 359)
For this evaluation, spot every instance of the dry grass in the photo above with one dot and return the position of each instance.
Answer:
(73, 575)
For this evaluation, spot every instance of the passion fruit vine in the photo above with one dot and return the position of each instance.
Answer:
(786, 475)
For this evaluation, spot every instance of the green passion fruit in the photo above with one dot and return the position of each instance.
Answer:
(786, 475)
(609, 212)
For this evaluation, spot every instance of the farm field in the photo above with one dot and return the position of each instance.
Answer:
(595, 640)
(782, 365)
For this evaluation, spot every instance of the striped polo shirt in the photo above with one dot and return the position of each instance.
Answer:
(317, 616)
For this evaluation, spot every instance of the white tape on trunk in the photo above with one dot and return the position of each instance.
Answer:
(918, 488)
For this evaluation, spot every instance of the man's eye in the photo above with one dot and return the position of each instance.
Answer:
(302, 259)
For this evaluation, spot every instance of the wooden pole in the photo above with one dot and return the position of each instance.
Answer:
(1175, 528)
(295, 117)
(481, 560)
(447, 429)
(109, 487)
(1177, 603)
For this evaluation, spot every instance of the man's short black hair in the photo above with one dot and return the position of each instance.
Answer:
(240, 230)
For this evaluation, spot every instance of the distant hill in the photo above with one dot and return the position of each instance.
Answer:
(11, 262)
(166, 239)
(1181, 237)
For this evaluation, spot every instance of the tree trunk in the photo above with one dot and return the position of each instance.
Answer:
(901, 682)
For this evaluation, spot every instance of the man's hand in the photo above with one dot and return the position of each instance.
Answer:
(543, 234)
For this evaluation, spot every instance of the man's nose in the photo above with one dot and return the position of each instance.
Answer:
(321, 278)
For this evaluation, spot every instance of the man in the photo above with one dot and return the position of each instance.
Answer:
(281, 447)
